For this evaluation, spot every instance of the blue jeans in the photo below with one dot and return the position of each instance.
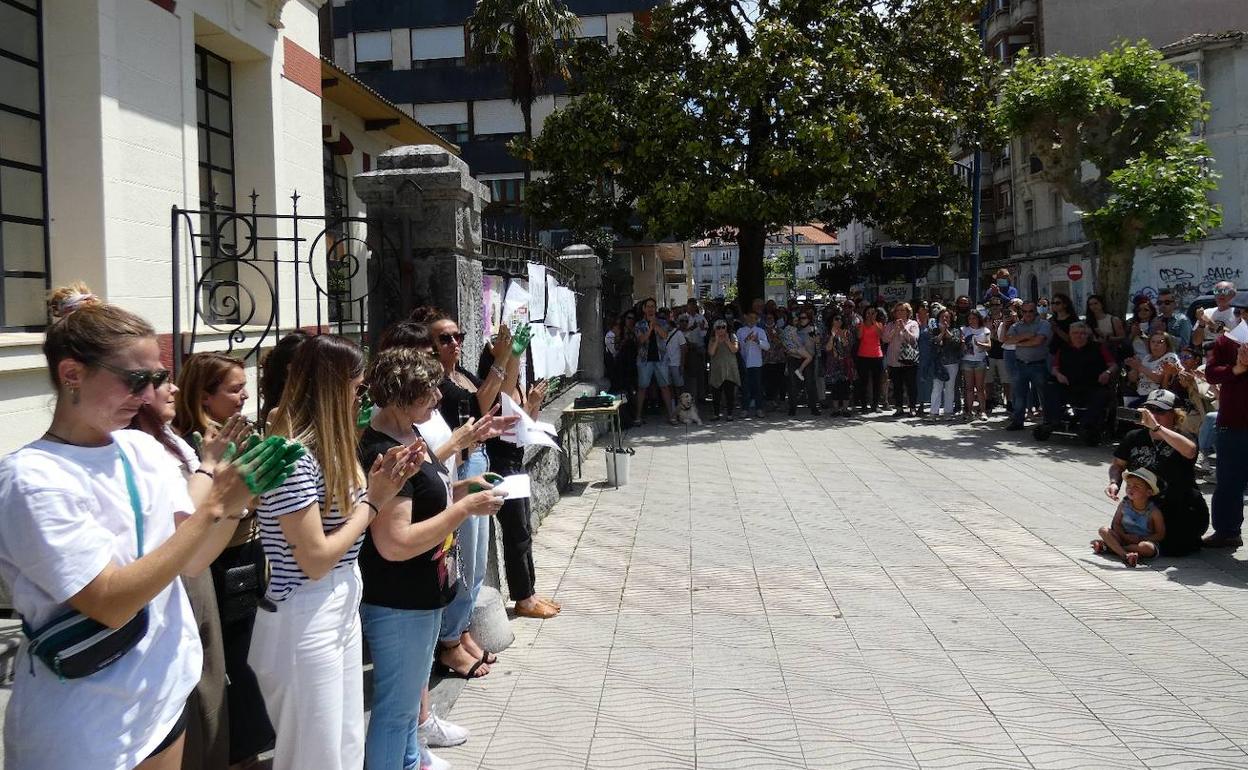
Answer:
(402, 644)
(1206, 440)
(1232, 479)
(1033, 377)
(473, 537)
(752, 393)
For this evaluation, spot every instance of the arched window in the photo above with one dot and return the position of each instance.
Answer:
(1033, 287)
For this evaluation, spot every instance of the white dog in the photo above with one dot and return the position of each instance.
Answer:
(687, 413)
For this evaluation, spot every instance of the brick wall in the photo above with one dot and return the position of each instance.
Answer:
(300, 66)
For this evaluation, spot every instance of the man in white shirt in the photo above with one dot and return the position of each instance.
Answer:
(753, 341)
(677, 350)
(1215, 321)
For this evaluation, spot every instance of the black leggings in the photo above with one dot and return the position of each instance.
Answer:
(728, 392)
(905, 380)
(517, 535)
(870, 381)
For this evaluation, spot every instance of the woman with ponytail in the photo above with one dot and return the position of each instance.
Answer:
(98, 528)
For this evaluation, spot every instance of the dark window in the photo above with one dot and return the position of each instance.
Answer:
(23, 195)
(422, 64)
(506, 190)
(338, 258)
(385, 65)
(335, 169)
(214, 120)
(456, 133)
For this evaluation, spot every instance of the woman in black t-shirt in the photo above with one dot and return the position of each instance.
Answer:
(409, 557)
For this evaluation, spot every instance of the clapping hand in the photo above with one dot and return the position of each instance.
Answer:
(213, 447)
(392, 470)
(521, 341)
(500, 348)
(537, 392)
(264, 465)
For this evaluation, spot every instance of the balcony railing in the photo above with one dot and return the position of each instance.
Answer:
(1049, 238)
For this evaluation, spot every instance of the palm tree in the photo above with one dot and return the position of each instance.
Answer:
(529, 39)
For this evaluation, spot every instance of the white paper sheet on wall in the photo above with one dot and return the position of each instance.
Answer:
(554, 315)
(567, 299)
(516, 304)
(492, 287)
(539, 348)
(537, 297)
(572, 355)
(555, 356)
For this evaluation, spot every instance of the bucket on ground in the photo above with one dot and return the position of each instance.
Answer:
(618, 461)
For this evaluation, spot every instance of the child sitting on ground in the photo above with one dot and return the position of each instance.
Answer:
(1138, 526)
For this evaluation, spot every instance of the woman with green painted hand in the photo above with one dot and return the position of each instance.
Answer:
(306, 647)
(98, 527)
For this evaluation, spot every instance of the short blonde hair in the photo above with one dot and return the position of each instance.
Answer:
(903, 306)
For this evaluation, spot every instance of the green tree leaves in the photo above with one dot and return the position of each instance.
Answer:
(1127, 116)
(790, 110)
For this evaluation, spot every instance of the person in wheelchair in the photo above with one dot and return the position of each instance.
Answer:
(1082, 374)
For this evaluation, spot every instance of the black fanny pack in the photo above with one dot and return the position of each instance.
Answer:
(73, 645)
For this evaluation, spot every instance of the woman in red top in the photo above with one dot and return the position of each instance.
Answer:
(869, 359)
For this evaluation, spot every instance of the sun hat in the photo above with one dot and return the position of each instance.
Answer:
(1145, 475)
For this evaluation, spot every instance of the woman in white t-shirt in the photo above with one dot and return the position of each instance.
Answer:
(976, 340)
(71, 540)
(305, 648)
(1159, 368)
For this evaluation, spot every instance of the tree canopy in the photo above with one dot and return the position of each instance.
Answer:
(1114, 135)
(752, 115)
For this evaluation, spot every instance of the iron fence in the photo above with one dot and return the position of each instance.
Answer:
(255, 275)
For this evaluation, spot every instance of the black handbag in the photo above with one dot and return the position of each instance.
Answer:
(908, 355)
(74, 645)
(240, 584)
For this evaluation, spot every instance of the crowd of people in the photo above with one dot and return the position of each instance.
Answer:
(1039, 360)
(194, 596)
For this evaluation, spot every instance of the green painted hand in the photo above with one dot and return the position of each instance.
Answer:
(266, 464)
(365, 415)
(493, 478)
(520, 342)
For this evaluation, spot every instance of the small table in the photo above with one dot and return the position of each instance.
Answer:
(572, 417)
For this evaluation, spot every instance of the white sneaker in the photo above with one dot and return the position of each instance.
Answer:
(435, 762)
(440, 733)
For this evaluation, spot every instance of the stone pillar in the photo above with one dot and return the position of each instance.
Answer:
(437, 205)
(588, 268)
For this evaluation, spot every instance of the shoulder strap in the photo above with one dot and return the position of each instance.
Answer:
(135, 502)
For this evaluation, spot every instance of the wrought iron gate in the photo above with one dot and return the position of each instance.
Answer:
(256, 276)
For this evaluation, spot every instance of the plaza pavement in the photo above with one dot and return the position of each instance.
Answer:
(788, 594)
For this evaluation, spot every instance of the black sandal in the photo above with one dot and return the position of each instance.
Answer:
(445, 670)
(488, 658)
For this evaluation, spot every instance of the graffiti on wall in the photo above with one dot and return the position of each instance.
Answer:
(1188, 275)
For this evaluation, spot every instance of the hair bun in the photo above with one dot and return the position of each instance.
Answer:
(64, 300)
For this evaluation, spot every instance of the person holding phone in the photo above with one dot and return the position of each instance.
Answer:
(408, 559)
(466, 397)
(725, 375)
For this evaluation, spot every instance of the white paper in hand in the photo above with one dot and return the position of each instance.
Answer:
(1239, 333)
(526, 431)
(515, 487)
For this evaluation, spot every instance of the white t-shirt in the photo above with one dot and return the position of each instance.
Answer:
(1227, 317)
(436, 432)
(971, 335)
(675, 341)
(1001, 332)
(67, 514)
(1145, 385)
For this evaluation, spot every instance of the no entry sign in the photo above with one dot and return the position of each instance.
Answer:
(1074, 272)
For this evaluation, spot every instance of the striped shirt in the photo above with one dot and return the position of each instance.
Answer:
(304, 486)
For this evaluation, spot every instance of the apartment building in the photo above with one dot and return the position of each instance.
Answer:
(415, 52)
(715, 259)
(1026, 225)
(140, 134)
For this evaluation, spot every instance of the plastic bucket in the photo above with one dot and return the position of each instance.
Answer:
(618, 463)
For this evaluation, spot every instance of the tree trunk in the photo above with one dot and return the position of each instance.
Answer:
(751, 239)
(1113, 278)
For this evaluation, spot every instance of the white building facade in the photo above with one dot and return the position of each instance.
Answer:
(116, 112)
(715, 259)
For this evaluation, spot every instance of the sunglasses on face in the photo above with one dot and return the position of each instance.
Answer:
(1224, 292)
(447, 338)
(138, 379)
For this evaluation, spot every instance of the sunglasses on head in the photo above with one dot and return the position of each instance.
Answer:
(138, 379)
(446, 338)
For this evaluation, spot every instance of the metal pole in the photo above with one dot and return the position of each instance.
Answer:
(975, 195)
